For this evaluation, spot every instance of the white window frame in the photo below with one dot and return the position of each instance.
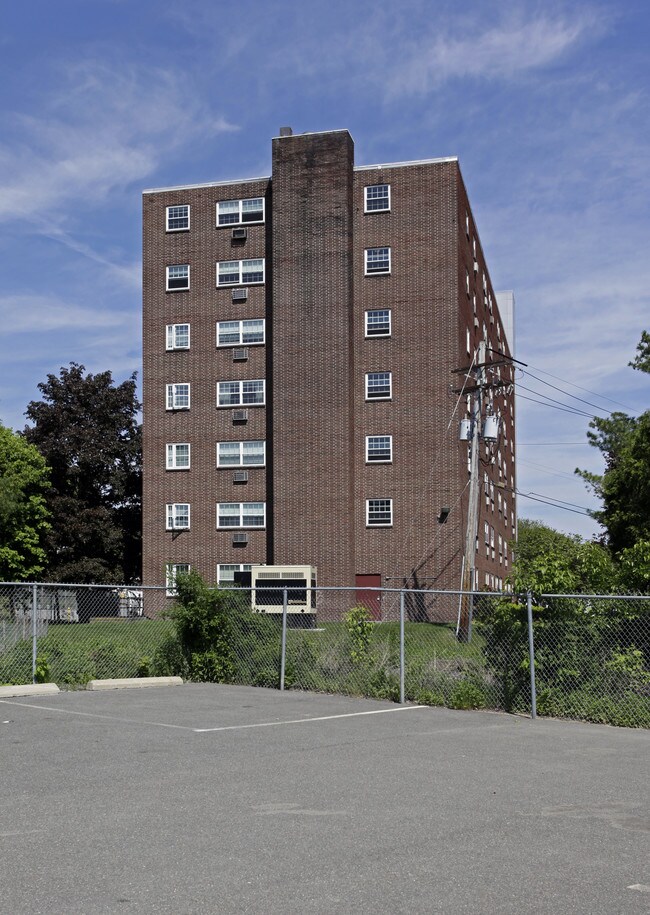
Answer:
(172, 569)
(169, 216)
(171, 460)
(382, 396)
(241, 341)
(241, 402)
(240, 281)
(172, 393)
(172, 330)
(373, 311)
(241, 221)
(169, 288)
(241, 462)
(232, 567)
(240, 516)
(383, 271)
(383, 460)
(177, 516)
(369, 510)
(367, 197)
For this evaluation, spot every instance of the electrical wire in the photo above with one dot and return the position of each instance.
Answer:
(552, 400)
(586, 390)
(554, 505)
(542, 403)
(409, 532)
(567, 393)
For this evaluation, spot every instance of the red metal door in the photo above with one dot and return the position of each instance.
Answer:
(371, 600)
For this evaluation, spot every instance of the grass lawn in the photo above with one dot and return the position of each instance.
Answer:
(71, 654)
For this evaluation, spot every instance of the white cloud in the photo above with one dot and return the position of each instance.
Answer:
(36, 314)
(101, 130)
(500, 52)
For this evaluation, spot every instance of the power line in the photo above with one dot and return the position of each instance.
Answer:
(568, 394)
(554, 505)
(555, 473)
(542, 403)
(586, 390)
(521, 444)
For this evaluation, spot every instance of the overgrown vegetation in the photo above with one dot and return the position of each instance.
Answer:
(73, 654)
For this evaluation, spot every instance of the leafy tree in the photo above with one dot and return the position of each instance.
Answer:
(86, 428)
(547, 561)
(624, 487)
(23, 512)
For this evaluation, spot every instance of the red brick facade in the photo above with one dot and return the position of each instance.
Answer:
(314, 361)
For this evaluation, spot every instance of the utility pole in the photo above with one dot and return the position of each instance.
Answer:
(467, 585)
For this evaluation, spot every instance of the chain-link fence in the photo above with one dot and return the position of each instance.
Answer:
(591, 653)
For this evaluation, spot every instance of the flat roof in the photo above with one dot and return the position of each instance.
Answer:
(189, 187)
(356, 168)
(361, 168)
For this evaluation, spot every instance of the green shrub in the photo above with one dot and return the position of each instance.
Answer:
(467, 694)
(359, 626)
(42, 673)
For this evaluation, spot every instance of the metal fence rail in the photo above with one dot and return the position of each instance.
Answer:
(574, 656)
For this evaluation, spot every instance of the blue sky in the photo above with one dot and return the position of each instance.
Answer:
(545, 104)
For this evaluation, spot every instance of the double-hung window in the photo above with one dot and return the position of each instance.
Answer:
(377, 261)
(178, 516)
(237, 212)
(241, 514)
(226, 572)
(377, 198)
(379, 386)
(241, 393)
(379, 512)
(238, 333)
(178, 277)
(240, 273)
(172, 570)
(178, 218)
(379, 449)
(241, 454)
(178, 336)
(378, 323)
(178, 456)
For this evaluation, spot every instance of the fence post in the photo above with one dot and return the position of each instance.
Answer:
(284, 637)
(34, 610)
(401, 648)
(531, 655)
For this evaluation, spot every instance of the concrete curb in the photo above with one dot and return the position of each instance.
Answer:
(134, 683)
(29, 689)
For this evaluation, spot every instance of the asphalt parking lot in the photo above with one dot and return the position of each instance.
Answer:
(226, 799)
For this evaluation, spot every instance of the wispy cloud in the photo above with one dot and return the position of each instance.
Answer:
(101, 130)
(39, 313)
(515, 46)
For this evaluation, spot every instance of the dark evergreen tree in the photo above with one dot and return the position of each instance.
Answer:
(87, 430)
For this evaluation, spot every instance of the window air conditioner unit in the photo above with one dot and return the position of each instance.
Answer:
(240, 538)
(240, 355)
(239, 295)
(475, 266)
(239, 234)
(240, 476)
(240, 416)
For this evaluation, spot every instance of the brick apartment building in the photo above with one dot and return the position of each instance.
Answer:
(300, 337)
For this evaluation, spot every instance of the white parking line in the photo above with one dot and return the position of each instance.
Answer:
(272, 724)
(68, 711)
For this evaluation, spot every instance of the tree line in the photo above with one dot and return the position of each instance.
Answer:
(71, 494)
(71, 483)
